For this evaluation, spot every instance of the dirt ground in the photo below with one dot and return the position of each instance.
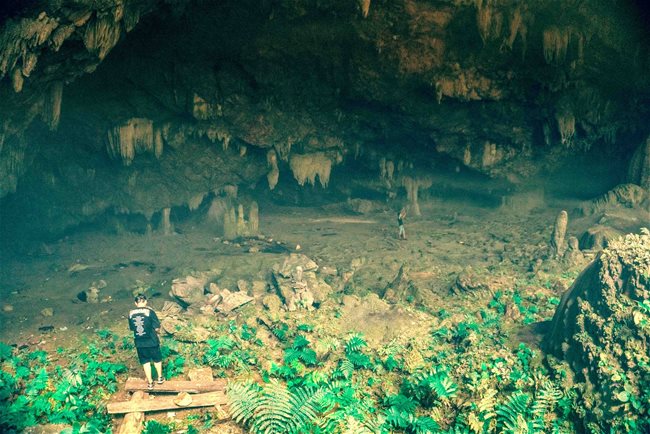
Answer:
(448, 237)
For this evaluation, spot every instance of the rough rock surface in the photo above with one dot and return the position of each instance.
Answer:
(601, 327)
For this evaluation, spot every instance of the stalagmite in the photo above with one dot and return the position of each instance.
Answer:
(254, 219)
(274, 174)
(412, 185)
(558, 243)
(230, 224)
(241, 221)
(390, 170)
(306, 167)
(52, 105)
(165, 223)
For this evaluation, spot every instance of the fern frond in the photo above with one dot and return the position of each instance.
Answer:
(487, 404)
(355, 344)
(546, 400)
(510, 413)
(243, 399)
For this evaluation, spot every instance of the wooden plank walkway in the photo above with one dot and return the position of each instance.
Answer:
(169, 386)
(159, 403)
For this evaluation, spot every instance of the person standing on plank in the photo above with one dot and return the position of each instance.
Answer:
(145, 325)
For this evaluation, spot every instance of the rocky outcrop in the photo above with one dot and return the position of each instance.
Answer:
(601, 327)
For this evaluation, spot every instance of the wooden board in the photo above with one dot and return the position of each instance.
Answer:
(133, 422)
(133, 384)
(166, 403)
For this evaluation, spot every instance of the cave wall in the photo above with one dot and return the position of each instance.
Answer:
(144, 105)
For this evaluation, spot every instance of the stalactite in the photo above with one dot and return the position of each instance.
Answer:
(556, 42)
(382, 168)
(201, 109)
(639, 168)
(490, 154)
(488, 20)
(60, 35)
(274, 174)
(467, 156)
(195, 201)
(133, 137)
(29, 62)
(158, 142)
(17, 80)
(131, 16)
(283, 149)
(52, 105)
(412, 185)
(101, 35)
(365, 7)
(566, 124)
(306, 167)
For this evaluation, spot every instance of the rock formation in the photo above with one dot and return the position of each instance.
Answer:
(601, 327)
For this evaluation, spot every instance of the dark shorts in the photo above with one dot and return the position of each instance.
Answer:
(149, 354)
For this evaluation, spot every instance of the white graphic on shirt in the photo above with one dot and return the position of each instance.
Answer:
(139, 325)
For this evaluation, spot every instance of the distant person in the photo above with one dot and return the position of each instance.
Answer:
(145, 325)
(401, 215)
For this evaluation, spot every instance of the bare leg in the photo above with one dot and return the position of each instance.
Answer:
(159, 371)
(147, 371)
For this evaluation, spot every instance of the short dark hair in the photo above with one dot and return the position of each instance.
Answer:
(140, 298)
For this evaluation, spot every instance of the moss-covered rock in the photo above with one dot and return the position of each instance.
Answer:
(601, 327)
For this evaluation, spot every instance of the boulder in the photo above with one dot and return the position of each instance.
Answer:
(297, 284)
(601, 328)
(232, 301)
(598, 237)
(189, 289)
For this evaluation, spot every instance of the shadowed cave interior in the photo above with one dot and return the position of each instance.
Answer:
(243, 165)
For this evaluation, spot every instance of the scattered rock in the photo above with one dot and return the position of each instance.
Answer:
(170, 308)
(273, 303)
(48, 311)
(401, 288)
(232, 300)
(242, 285)
(598, 237)
(361, 206)
(183, 399)
(467, 281)
(189, 289)
(48, 429)
(259, 288)
(7, 308)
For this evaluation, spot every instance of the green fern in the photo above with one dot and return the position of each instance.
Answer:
(513, 417)
(355, 344)
(276, 408)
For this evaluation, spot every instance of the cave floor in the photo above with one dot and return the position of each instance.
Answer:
(499, 244)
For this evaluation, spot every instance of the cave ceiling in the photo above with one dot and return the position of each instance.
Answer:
(147, 104)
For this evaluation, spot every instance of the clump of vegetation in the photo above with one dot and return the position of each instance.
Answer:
(34, 390)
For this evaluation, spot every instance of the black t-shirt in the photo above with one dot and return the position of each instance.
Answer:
(144, 322)
(400, 221)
